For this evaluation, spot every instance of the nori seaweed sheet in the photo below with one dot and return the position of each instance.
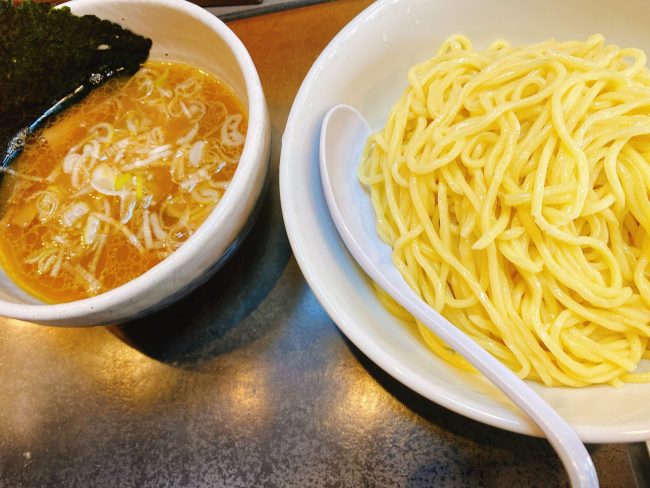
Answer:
(46, 53)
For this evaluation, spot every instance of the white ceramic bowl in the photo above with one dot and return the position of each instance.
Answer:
(365, 66)
(182, 32)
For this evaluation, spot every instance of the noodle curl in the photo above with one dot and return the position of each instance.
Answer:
(513, 185)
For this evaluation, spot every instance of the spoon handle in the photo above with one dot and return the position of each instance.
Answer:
(570, 449)
(354, 219)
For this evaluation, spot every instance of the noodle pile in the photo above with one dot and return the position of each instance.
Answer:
(513, 187)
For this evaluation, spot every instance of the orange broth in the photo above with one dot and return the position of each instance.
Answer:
(119, 181)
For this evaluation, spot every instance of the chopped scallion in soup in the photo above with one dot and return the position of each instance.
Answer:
(119, 181)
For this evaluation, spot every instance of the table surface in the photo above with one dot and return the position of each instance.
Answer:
(248, 382)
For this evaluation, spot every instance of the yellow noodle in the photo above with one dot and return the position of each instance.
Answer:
(513, 185)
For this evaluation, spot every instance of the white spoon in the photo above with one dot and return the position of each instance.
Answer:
(343, 136)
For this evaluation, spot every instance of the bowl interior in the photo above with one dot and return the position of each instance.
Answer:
(180, 32)
(366, 66)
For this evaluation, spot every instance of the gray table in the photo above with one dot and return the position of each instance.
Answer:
(247, 382)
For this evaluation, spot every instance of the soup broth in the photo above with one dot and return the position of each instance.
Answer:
(119, 181)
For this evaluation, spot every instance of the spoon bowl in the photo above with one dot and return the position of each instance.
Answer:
(343, 135)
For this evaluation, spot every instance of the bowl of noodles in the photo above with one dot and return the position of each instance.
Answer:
(508, 169)
(138, 193)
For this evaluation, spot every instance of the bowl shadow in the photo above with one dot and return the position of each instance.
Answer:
(209, 321)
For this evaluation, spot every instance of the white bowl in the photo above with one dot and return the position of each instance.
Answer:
(365, 66)
(182, 32)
